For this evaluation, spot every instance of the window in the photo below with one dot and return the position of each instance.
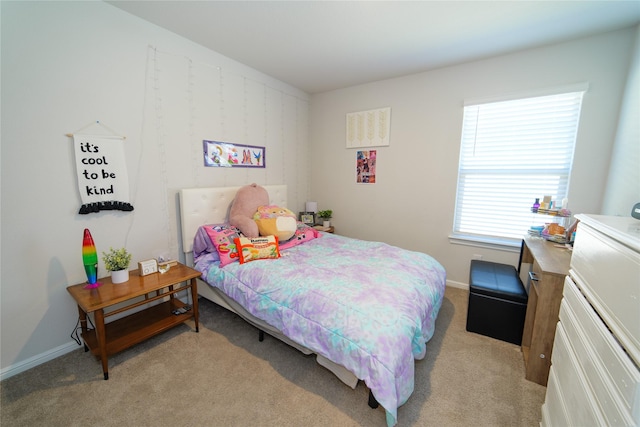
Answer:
(511, 153)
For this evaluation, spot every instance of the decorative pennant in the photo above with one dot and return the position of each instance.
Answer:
(102, 173)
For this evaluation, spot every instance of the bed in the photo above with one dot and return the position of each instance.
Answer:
(365, 309)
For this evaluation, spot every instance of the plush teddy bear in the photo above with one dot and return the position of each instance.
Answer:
(246, 203)
(276, 221)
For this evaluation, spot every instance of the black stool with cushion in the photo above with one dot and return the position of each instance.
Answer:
(497, 301)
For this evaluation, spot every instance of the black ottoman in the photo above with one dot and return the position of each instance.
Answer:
(497, 301)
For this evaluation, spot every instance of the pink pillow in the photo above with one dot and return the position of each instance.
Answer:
(223, 238)
(303, 234)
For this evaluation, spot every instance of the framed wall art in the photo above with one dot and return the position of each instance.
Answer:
(368, 128)
(366, 166)
(227, 154)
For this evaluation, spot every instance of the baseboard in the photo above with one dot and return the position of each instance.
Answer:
(39, 359)
(458, 285)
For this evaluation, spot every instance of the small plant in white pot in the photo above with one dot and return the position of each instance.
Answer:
(117, 262)
(326, 217)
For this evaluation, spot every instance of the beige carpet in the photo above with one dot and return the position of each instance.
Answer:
(223, 376)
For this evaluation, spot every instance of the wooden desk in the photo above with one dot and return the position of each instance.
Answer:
(110, 338)
(549, 267)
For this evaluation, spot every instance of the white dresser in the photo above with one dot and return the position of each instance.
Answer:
(594, 378)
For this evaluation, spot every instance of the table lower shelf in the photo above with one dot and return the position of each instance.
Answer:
(137, 327)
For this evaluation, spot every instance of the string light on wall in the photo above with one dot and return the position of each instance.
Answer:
(266, 127)
(162, 151)
(222, 127)
(297, 138)
(201, 95)
(282, 139)
(195, 151)
(245, 108)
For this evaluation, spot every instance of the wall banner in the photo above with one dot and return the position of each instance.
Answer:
(102, 173)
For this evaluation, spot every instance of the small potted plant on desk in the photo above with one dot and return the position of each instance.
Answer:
(117, 262)
(326, 217)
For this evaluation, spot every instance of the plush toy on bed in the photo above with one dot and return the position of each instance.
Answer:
(276, 221)
(246, 203)
(246, 214)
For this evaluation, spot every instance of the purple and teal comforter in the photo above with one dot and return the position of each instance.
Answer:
(367, 306)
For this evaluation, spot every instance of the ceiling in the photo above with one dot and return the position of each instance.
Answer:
(318, 46)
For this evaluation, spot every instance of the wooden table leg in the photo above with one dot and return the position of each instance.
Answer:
(102, 341)
(194, 298)
(83, 326)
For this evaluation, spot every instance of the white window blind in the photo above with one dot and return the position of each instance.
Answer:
(513, 152)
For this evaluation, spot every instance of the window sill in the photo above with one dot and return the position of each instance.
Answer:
(500, 244)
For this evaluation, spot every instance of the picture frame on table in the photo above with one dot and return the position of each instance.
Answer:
(308, 218)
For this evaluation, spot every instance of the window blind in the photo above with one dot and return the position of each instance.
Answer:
(511, 153)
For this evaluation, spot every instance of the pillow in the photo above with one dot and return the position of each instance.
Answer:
(252, 249)
(276, 221)
(223, 238)
(202, 244)
(303, 234)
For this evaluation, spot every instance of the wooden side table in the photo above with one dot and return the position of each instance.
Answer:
(550, 265)
(110, 338)
(322, 228)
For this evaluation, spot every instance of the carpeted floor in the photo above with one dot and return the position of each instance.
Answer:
(223, 376)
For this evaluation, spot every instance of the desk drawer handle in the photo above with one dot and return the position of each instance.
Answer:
(533, 276)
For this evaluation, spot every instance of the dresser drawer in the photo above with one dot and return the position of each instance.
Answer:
(609, 275)
(606, 354)
(572, 386)
(613, 409)
(554, 412)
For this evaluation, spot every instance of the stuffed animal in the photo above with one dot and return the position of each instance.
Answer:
(246, 203)
(276, 221)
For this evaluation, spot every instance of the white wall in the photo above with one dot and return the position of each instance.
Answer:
(623, 185)
(68, 64)
(412, 204)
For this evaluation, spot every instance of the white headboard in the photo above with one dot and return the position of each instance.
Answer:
(200, 206)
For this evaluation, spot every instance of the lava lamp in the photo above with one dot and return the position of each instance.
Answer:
(90, 260)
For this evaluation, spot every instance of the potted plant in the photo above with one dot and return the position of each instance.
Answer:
(117, 262)
(326, 216)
